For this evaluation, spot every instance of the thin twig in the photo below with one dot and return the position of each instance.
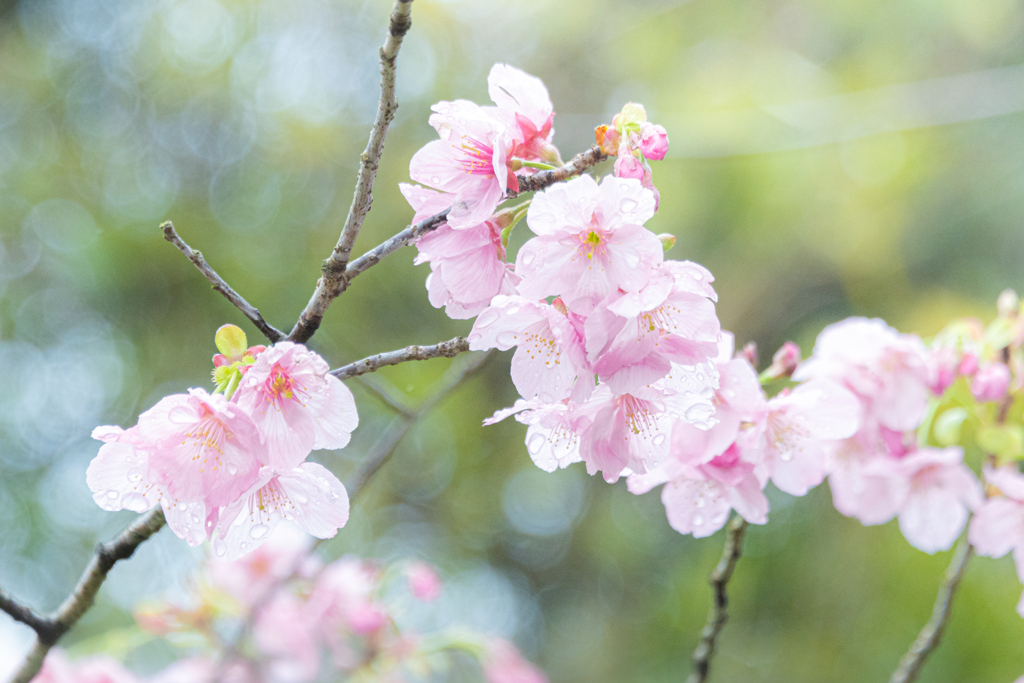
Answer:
(58, 623)
(334, 267)
(911, 663)
(311, 317)
(247, 309)
(376, 457)
(717, 615)
(446, 349)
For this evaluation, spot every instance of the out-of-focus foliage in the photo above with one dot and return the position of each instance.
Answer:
(828, 159)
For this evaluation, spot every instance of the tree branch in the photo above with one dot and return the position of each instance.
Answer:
(577, 165)
(22, 613)
(334, 282)
(717, 616)
(447, 349)
(928, 639)
(49, 629)
(247, 309)
(311, 317)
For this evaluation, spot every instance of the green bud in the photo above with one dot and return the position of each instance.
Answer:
(230, 340)
(667, 240)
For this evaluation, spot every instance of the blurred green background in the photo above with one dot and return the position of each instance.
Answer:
(849, 157)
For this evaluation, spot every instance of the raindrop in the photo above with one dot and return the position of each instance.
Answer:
(507, 338)
(658, 440)
(528, 258)
(134, 476)
(232, 469)
(535, 443)
(258, 531)
(698, 520)
(700, 502)
(196, 520)
(112, 494)
(786, 456)
(700, 411)
(435, 180)
(627, 205)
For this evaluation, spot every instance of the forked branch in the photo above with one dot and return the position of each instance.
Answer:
(247, 309)
(313, 314)
(333, 281)
(50, 628)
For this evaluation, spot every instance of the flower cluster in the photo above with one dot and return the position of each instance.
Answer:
(229, 466)
(634, 140)
(590, 296)
(308, 621)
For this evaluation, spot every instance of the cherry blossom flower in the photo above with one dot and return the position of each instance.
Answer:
(998, 523)
(633, 339)
(591, 242)
(470, 161)
(522, 101)
(632, 431)
(120, 479)
(295, 404)
(549, 352)
(801, 428)
(202, 448)
(886, 369)
(308, 495)
(423, 581)
(552, 438)
(940, 492)
(468, 266)
(712, 471)
(991, 382)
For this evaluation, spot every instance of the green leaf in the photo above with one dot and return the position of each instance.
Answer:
(1006, 442)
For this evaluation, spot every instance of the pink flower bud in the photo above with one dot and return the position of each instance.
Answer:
(784, 361)
(969, 365)
(366, 618)
(654, 141)
(750, 353)
(423, 581)
(991, 382)
(628, 166)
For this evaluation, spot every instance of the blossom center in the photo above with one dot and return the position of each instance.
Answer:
(638, 416)
(477, 157)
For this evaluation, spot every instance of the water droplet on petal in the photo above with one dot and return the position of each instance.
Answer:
(435, 180)
(507, 338)
(535, 443)
(700, 502)
(112, 494)
(698, 520)
(658, 439)
(700, 411)
(627, 205)
(258, 531)
(232, 469)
